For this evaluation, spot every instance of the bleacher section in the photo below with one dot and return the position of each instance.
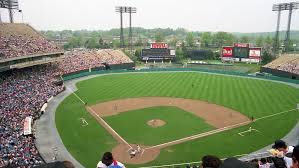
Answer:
(285, 66)
(17, 40)
(22, 46)
(85, 60)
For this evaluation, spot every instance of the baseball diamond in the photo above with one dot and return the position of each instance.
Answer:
(201, 111)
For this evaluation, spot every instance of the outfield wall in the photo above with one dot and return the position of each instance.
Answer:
(94, 72)
(280, 73)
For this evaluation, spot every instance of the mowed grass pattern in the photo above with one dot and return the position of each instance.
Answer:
(251, 97)
(133, 127)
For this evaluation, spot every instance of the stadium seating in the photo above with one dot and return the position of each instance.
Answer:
(23, 92)
(17, 40)
(286, 63)
(85, 59)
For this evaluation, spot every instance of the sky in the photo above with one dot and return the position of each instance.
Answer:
(193, 15)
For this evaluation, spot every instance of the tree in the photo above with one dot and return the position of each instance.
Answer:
(190, 40)
(101, 42)
(159, 37)
(206, 39)
(116, 44)
(266, 57)
(173, 42)
(259, 41)
(74, 42)
(245, 39)
(139, 42)
(137, 54)
(92, 43)
(269, 41)
(223, 38)
(179, 54)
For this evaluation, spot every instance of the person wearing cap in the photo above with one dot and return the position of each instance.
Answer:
(109, 162)
(281, 146)
(295, 157)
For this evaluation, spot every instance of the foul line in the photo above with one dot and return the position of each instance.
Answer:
(102, 121)
(178, 141)
(272, 115)
(75, 94)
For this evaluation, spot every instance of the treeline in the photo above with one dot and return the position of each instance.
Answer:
(142, 37)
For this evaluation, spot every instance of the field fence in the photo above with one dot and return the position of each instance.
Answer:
(214, 71)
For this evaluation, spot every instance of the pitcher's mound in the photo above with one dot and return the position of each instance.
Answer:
(156, 123)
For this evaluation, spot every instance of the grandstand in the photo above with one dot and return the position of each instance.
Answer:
(92, 59)
(22, 46)
(285, 66)
(30, 75)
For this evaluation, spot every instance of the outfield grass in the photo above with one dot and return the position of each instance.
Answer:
(132, 125)
(249, 96)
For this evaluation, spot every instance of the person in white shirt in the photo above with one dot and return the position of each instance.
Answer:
(109, 162)
(281, 146)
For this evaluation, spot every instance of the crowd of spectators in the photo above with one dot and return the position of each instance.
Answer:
(86, 59)
(22, 94)
(292, 66)
(16, 44)
(75, 61)
(111, 57)
(287, 63)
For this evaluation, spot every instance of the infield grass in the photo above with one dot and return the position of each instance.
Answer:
(132, 125)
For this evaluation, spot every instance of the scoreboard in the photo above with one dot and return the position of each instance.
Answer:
(158, 51)
(241, 52)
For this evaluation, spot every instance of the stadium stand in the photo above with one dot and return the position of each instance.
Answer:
(30, 74)
(285, 66)
(85, 59)
(18, 40)
(80, 60)
(23, 93)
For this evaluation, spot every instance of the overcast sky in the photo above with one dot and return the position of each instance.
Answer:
(197, 15)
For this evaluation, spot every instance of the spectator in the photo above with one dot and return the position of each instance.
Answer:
(18, 40)
(22, 94)
(108, 161)
(87, 59)
(210, 161)
(263, 163)
(235, 163)
(281, 146)
(295, 157)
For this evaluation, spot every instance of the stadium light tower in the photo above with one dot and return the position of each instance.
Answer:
(282, 7)
(10, 5)
(131, 10)
(121, 10)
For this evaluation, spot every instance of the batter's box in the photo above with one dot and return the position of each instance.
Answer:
(250, 130)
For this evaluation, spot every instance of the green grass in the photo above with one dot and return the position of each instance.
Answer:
(249, 96)
(87, 143)
(138, 132)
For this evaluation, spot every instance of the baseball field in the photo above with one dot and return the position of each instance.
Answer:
(174, 116)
